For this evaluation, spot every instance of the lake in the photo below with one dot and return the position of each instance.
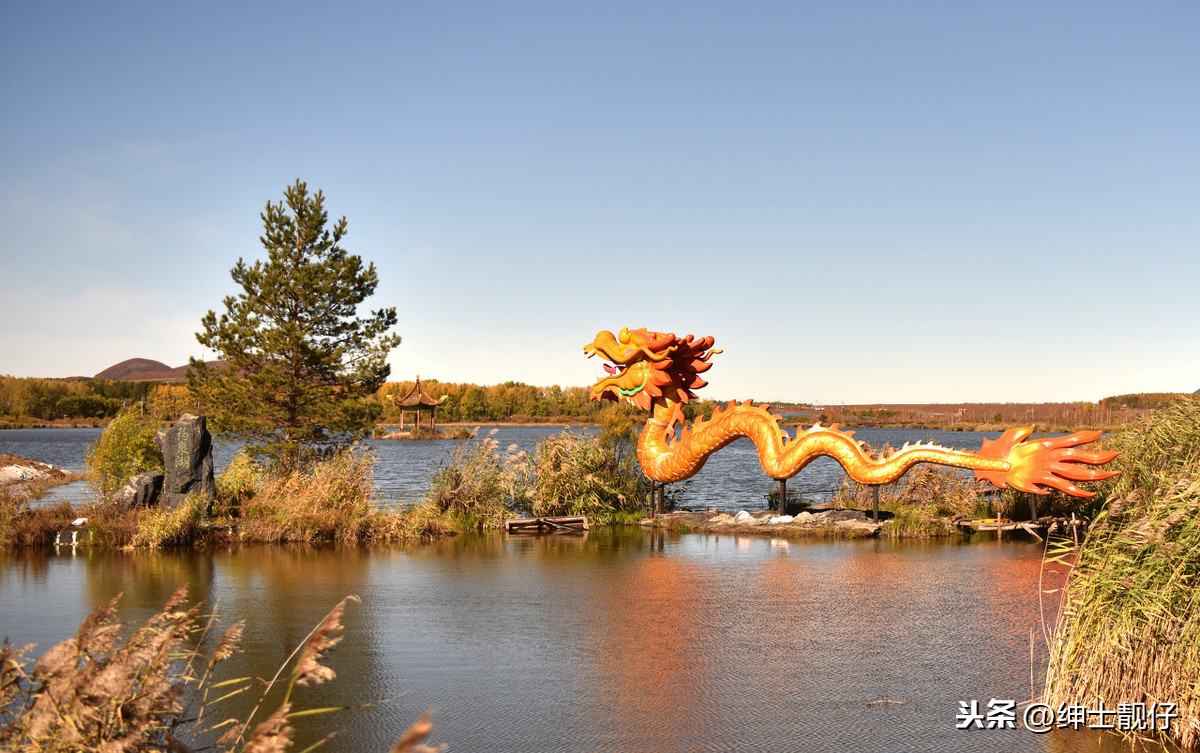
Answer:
(731, 480)
(620, 640)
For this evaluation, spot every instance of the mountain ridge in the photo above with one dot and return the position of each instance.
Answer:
(145, 370)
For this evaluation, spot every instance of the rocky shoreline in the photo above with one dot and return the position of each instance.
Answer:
(15, 469)
(811, 522)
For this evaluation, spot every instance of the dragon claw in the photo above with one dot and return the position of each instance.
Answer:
(1054, 462)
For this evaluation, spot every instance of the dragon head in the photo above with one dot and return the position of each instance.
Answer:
(643, 366)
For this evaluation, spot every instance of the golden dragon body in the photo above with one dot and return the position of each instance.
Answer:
(659, 372)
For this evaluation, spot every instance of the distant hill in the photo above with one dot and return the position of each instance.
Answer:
(145, 370)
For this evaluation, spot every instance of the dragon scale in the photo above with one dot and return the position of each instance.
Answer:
(660, 372)
(782, 457)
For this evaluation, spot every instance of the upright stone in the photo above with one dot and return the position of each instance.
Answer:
(186, 448)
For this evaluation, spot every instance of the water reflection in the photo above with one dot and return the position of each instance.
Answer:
(619, 640)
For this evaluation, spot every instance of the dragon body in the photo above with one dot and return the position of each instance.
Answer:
(660, 372)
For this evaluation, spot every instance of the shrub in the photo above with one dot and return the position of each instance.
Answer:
(921, 501)
(477, 488)
(327, 501)
(579, 475)
(126, 448)
(158, 527)
(237, 484)
(23, 526)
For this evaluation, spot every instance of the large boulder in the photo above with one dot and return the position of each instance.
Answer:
(141, 490)
(186, 448)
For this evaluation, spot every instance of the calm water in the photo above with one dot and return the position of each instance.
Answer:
(731, 480)
(622, 641)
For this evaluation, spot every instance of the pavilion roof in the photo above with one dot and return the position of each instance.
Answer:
(417, 396)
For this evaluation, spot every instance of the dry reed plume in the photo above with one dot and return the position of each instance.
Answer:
(95, 692)
(1129, 628)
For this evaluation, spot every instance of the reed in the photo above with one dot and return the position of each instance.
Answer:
(924, 502)
(1128, 630)
(478, 487)
(327, 501)
(159, 527)
(154, 690)
(23, 525)
(421, 521)
(579, 475)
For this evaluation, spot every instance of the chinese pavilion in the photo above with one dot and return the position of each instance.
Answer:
(418, 400)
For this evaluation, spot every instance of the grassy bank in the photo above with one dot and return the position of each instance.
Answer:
(332, 501)
(1129, 627)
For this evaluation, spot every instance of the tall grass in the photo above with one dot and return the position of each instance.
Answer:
(159, 527)
(23, 525)
(478, 487)
(579, 475)
(154, 690)
(568, 474)
(1129, 627)
(923, 502)
(327, 501)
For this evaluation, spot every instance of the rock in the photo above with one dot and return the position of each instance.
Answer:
(860, 525)
(741, 516)
(780, 519)
(14, 469)
(838, 516)
(804, 517)
(721, 518)
(186, 448)
(11, 474)
(141, 490)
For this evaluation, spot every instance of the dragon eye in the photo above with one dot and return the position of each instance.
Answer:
(624, 336)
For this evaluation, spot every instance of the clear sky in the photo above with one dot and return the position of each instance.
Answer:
(862, 201)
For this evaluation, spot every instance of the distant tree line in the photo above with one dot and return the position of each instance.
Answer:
(52, 399)
(49, 399)
(1143, 400)
(509, 401)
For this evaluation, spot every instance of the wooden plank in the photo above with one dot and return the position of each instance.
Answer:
(555, 523)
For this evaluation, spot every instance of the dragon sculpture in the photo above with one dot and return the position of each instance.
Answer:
(660, 372)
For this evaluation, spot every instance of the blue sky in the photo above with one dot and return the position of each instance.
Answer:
(862, 202)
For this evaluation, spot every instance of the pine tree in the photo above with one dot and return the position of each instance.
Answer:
(300, 362)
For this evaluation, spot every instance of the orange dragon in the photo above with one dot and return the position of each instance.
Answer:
(660, 372)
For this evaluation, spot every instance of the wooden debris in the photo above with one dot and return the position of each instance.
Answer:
(557, 524)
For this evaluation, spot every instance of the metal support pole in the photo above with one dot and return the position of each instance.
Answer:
(662, 499)
(875, 503)
(783, 496)
(1033, 516)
